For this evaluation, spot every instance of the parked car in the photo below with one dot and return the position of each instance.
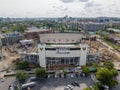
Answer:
(33, 78)
(76, 83)
(73, 84)
(69, 87)
(31, 84)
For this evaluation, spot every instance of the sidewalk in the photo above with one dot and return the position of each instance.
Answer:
(2, 74)
(94, 77)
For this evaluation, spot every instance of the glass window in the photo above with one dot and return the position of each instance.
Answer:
(62, 60)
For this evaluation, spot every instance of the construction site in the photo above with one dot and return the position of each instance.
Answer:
(106, 52)
(11, 53)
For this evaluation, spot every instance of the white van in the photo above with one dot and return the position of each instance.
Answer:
(31, 84)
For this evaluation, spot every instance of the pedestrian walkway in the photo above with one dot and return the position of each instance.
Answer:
(94, 77)
(2, 74)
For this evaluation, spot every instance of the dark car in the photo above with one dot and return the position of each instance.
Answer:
(73, 84)
(76, 83)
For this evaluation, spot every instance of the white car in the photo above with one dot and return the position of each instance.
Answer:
(67, 88)
(70, 86)
(11, 88)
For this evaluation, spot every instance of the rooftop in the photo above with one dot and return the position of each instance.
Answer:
(10, 35)
(34, 29)
(61, 38)
(115, 30)
(92, 23)
(62, 46)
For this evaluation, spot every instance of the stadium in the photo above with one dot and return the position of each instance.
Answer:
(58, 50)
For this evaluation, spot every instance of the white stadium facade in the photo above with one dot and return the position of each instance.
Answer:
(58, 50)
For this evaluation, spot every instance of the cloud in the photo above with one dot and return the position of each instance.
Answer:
(28, 12)
(83, 0)
(91, 4)
(61, 8)
(70, 1)
(67, 1)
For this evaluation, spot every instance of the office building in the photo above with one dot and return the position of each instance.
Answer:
(89, 26)
(10, 38)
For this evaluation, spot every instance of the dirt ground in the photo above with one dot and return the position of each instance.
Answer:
(107, 53)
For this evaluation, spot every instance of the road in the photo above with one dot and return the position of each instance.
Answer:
(110, 48)
(117, 87)
(7, 81)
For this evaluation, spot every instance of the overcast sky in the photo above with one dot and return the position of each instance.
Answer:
(59, 8)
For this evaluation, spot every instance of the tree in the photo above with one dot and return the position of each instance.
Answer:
(64, 73)
(95, 87)
(114, 72)
(106, 77)
(18, 27)
(95, 65)
(40, 72)
(21, 76)
(99, 32)
(5, 31)
(108, 64)
(22, 65)
(86, 89)
(85, 70)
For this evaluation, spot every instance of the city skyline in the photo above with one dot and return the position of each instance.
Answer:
(59, 8)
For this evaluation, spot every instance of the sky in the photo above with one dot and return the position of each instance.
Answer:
(59, 8)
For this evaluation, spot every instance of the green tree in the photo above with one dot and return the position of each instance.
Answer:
(85, 70)
(95, 87)
(40, 72)
(114, 72)
(22, 65)
(5, 31)
(21, 76)
(86, 89)
(64, 73)
(99, 32)
(18, 27)
(108, 64)
(106, 77)
(95, 65)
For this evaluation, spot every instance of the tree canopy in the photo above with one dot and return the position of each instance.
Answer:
(40, 72)
(22, 65)
(108, 64)
(21, 75)
(106, 76)
(85, 70)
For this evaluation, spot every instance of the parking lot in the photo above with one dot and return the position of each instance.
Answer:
(4, 83)
(57, 83)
